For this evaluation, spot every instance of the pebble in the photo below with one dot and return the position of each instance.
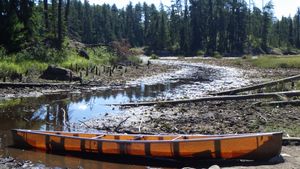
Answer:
(214, 167)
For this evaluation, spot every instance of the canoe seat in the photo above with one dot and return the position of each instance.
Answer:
(98, 137)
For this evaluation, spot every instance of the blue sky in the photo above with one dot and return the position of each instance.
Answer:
(281, 7)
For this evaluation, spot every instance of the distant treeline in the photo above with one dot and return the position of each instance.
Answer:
(186, 27)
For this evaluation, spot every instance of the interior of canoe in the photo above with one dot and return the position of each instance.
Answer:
(128, 137)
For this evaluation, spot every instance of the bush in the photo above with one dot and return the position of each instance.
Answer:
(200, 53)
(153, 56)
(217, 55)
(137, 51)
(41, 54)
(135, 59)
(247, 57)
(2, 52)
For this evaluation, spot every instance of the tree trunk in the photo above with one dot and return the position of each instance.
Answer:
(46, 15)
(67, 12)
(59, 24)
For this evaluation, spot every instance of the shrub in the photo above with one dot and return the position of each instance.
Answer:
(137, 51)
(217, 55)
(2, 52)
(153, 56)
(200, 53)
(134, 59)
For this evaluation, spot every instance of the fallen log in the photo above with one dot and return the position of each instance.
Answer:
(216, 98)
(30, 85)
(21, 85)
(259, 86)
(294, 141)
(281, 103)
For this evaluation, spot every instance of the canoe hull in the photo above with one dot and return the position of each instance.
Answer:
(252, 147)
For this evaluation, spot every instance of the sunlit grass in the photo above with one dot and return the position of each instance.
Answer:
(20, 63)
(276, 62)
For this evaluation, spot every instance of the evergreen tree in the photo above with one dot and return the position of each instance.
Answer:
(46, 15)
(267, 18)
(60, 26)
(297, 28)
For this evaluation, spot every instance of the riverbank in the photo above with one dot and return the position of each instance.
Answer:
(193, 78)
(119, 78)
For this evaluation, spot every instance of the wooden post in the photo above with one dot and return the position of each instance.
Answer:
(96, 70)
(71, 76)
(87, 71)
(125, 71)
(4, 79)
(110, 71)
(293, 85)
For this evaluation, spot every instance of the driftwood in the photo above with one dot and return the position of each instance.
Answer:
(217, 98)
(295, 141)
(259, 86)
(119, 125)
(281, 103)
(23, 85)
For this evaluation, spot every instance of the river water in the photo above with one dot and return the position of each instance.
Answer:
(64, 110)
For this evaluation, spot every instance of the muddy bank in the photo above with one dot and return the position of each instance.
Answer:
(119, 78)
(226, 117)
(10, 162)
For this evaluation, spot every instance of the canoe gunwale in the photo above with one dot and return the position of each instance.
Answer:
(212, 137)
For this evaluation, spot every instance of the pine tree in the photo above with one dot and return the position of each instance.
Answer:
(297, 20)
(267, 17)
(46, 15)
(59, 25)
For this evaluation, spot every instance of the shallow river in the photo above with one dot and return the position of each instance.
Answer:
(61, 111)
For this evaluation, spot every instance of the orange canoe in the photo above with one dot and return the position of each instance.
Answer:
(240, 146)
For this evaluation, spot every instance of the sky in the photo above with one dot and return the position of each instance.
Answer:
(281, 7)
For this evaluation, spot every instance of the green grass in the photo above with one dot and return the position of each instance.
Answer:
(98, 56)
(33, 61)
(9, 67)
(292, 129)
(9, 103)
(276, 62)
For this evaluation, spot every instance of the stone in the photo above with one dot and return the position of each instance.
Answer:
(214, 167)
(84, 54)
(57, 73)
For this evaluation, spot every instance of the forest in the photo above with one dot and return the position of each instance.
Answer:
(194, 27)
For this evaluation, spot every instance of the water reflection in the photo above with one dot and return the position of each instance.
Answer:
(58, 111)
